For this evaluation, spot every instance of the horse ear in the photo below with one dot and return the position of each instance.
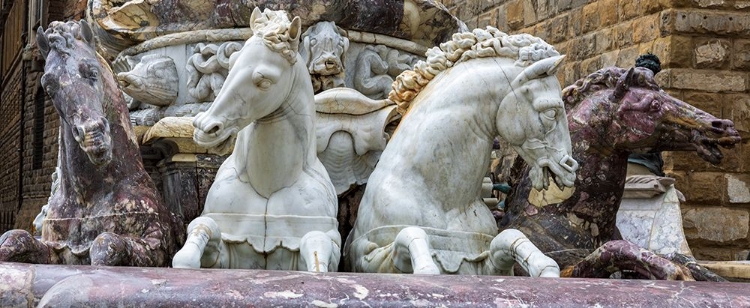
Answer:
(623, 84)
(556, 65)
(539, 69)
(256, 13)
(295, 29)
(86, 32)
(42, 42)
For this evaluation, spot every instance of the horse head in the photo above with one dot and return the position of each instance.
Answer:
(261, 77)
(73, 79)
(532, 119)
(635, 115)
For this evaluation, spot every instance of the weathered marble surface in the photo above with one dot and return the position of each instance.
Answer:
(421, 210)
(123, 24)
(26, 285)
(612, 113)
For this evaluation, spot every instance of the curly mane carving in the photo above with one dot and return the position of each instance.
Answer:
(480, 43)
(62, 36)
(273, 27)
(605, 78)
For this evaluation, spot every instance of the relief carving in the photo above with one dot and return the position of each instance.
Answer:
(324, 47)
(208, 68)
(377, 66)
(153, 80)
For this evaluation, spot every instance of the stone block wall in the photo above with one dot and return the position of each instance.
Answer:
(704, 46)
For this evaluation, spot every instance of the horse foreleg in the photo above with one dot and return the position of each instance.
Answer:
(113, 249)
(21, 246)
(319, 252)
(698, 272)
(203, 247)
(621, 255)
(412, 252)
(511, 246)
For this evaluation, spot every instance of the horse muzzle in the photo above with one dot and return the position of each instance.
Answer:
(95, 140)
(212, 134)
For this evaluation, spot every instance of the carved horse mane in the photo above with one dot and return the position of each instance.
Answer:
(480, 43)
(273, 28)
(605, 79)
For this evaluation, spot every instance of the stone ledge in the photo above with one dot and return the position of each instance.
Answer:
(25, 285)
(732, 270)
(710, 22)
(704, 80)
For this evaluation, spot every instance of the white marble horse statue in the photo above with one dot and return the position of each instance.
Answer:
(272, 204)
(421, 211)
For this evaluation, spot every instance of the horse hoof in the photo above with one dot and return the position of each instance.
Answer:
(188, 257)
(429, 269)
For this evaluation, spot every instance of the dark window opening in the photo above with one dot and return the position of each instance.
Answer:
(37, 142)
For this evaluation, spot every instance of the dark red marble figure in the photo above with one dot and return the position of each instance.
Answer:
(612, 113)
(107, 210)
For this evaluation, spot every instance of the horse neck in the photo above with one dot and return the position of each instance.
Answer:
(601, 178)
(459, 124)
(279, 147)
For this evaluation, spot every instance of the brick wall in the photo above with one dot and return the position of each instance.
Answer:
(10, 119)
(704, 47)
(37, 178)
(38, 129)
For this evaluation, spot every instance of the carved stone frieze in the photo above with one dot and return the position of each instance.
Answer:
(377, 67)
(207, 69)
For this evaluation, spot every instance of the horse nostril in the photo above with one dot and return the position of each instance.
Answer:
(722, 124)
(214, 128)
(568, 163)
(78, 133)
(104, 123)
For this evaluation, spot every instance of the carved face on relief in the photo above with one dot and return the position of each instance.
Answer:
(73, 79)
(532, 119)
(649, 118)
(324, 46)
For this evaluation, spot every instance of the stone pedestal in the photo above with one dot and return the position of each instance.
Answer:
(185, 170)
(650, 215)
(186, 178)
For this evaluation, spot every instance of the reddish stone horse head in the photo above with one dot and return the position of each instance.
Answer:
(612, 113)
(107, 210)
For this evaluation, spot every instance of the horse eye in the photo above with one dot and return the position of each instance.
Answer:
(50, 84)
(261, 81)
(313, 41)
(550, 113)
(264, 83)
